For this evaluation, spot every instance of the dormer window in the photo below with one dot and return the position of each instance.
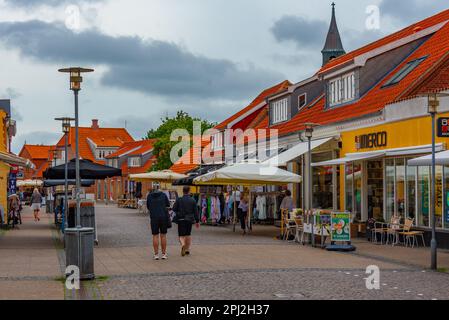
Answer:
(401, 74)
(279, 111)
(342, 89)
(217, 141)
(302, 101)
(134, 162)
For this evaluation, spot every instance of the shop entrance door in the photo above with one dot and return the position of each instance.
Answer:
(375, 188)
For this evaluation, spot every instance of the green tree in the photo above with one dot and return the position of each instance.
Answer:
(163, 146)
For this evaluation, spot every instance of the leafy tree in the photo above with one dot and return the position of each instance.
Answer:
(163, 146)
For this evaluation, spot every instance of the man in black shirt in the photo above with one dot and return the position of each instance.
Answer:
(158, 205)
(187, 214)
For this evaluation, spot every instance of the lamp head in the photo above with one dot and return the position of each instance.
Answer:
(309, 128)
(75, 76)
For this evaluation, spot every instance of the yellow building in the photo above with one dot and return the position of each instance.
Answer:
(7, 159)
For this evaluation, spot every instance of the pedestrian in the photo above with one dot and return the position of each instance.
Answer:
(243, 212)
(36, 202)
(287, 202)
(187, 214)
(158, 205)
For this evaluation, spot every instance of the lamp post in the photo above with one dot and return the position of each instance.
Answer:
(309, 128)
(432, 108)
(65, 129)
(79, 252)
(75, 86)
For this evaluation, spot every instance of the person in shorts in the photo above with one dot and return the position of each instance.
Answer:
(187, 214)
(36, 202)
(158, 205)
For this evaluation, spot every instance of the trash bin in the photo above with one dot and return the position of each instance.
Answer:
(79, 251)
(87, 215)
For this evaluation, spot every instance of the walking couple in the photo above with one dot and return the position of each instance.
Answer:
(186, 214)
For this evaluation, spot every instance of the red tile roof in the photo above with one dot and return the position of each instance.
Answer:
(36, 151)
(410, 30)
(113, 137)
(133, 148)
(435, 48)
(259, 99)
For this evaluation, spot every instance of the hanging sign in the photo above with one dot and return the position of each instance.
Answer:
(443, 127)
(341, 226)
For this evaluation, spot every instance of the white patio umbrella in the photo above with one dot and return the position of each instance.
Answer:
(29, 183)
(247, 174)
(157, 176)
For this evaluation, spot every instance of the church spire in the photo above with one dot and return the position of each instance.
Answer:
(333, 46)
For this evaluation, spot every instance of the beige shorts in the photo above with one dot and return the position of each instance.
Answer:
(36, 206)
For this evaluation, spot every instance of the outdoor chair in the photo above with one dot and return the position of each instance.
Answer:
(411, 237)
(393, 229)
(289, 228)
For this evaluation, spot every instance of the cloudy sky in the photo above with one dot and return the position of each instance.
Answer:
(154, 57)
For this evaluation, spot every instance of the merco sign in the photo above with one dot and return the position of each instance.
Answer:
(371, 141)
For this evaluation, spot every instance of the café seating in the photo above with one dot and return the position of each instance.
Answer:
(411, 237)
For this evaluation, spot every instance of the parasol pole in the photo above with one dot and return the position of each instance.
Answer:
(250, 225)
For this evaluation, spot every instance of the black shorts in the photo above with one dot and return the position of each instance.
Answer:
(159, 226)
(184, 228)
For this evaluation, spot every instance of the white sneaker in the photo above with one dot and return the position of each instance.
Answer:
(156, 257)
(164, 256)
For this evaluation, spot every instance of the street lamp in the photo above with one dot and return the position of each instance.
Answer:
(75, 86)
(66, 123)
(309, 128)
(82, 256)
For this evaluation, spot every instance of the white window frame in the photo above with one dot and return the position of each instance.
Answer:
(299, 100)
(217, 141)
(134, 162)
(280, 111)
(341, 89)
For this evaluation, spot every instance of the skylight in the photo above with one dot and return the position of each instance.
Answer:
(401, 74)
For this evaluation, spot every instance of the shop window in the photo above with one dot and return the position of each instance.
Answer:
(389, 189)
(423, 196)
(439, 196)
(446, 197)
(358, 190)
(375, 174)
(400, 187)
(411, 193)
(322, 182)
(348, 188)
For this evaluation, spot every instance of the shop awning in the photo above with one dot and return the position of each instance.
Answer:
(353, 157)
(10, 158)
(298, 150)
(441, 159)
(29, 183)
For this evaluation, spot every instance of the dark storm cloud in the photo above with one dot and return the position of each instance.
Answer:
(152, 67)
(303, 32)
(410, 11)
(36, 3)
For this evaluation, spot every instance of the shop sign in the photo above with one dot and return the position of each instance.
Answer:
(341, 226)
(443, 127)
(371, 140)
(12, 183)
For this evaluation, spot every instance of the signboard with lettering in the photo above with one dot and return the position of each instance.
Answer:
(443, 127)
(371, 140)
(341, 226)
(12, 183)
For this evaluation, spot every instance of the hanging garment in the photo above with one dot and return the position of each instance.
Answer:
(261, 205)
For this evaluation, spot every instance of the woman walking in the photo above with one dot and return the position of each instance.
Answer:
(36, 201)
(243, 213)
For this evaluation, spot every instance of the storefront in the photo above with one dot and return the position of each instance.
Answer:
(378, 183)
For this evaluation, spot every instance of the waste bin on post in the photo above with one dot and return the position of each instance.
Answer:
(79, 251)
(87, 215)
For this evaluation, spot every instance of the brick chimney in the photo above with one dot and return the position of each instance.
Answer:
(95, 124)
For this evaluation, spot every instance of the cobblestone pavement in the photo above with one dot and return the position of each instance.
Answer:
(227, 265)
